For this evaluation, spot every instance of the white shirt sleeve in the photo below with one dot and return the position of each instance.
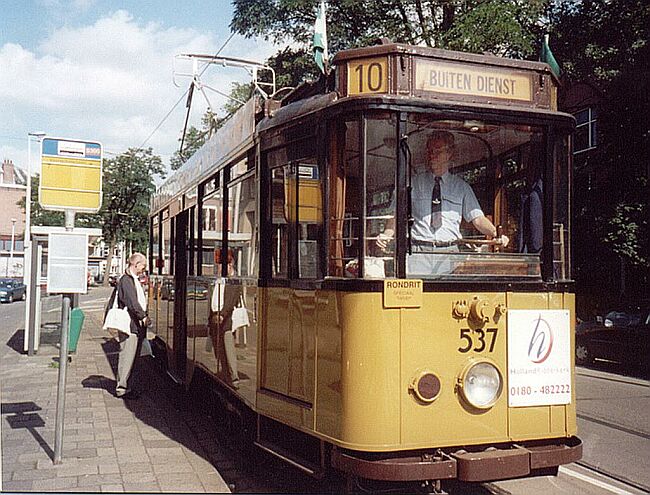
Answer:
(471, 207)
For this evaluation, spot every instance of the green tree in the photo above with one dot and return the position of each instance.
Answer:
(293, 66)
(611, 202)
(128, 186)
(194, 139)
(210, 122)
(503, 27)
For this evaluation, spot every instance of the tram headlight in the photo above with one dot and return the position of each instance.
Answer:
(481, 384)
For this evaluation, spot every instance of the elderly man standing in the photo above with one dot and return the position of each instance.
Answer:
(130, 295)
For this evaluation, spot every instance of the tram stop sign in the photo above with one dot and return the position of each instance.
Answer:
(71, 175)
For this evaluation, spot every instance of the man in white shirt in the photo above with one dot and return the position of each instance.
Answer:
(439, 202)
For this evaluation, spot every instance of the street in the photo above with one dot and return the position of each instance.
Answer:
(614, 425)
(613, 422)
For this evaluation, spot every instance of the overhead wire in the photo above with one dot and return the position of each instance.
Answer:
(183, 95)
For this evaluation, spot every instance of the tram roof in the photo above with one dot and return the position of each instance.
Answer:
(485, 59)
(234, 137)
(238, 133)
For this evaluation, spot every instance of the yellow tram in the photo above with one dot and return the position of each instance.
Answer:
(369, 348)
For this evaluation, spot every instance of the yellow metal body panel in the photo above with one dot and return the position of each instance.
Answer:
(290, 413)
(431, 341)
(570, 411)
(288, 343)
(361, 359)
(328, 403)
(275, 341)
(370, 371)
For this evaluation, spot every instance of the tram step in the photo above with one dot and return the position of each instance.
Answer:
(289, 458)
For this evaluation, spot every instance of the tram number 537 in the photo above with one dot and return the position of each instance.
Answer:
(478, 340)
(368, 76)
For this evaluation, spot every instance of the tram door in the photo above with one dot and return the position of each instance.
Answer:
(180, 295)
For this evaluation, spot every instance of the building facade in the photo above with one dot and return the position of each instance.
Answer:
(13, 186)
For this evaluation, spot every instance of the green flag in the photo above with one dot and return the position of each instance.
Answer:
(320, 39)
(546, 55)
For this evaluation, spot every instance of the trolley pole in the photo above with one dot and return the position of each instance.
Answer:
(63, 359)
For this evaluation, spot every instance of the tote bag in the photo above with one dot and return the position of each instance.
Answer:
(117, 320)
(240, 316)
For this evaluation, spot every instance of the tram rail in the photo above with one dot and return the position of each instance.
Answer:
(608, 476)
(614, 426)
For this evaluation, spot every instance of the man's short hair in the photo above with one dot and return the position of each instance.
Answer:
(137, 257)
(444, 137)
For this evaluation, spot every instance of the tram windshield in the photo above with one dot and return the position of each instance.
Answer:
(470, 199)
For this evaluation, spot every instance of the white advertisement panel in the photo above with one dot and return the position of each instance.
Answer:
(539, 358)
(67, 263)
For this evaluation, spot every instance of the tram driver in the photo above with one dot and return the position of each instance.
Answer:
(440, 200)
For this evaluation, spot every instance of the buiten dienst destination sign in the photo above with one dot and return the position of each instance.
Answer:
(463, 79)
(71, 176)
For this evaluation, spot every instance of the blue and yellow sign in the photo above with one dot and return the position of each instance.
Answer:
(71, 175)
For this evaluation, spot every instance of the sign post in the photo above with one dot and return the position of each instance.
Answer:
(66, 272)
(71, 181)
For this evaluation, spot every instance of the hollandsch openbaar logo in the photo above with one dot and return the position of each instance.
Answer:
(541, 341)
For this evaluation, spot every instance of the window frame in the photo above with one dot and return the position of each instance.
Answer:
(294, 156)
(249, 174)
(217, 180)
(592, 129)
(550, 128)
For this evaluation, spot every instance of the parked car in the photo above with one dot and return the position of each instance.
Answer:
(623, 337)
(12, 290)
(585, 326)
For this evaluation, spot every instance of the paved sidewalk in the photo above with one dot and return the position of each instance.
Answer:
(153, 444)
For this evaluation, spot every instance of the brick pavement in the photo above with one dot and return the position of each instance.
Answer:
(153, 444)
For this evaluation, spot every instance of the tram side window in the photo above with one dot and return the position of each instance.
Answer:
(280, 217)
(310, 218)
(166, 243)
(242, 226)
(344, 201)
(191, 240)
(347, 197)
(561, 210)
(155, 245)
(296, 215)
(380, 197)
(212, 227)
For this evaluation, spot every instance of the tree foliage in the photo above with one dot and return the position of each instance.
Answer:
(128, 185)
(613, 206)
(503, 27)
(194, 139)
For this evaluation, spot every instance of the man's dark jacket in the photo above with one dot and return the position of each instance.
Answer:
(127, 296)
